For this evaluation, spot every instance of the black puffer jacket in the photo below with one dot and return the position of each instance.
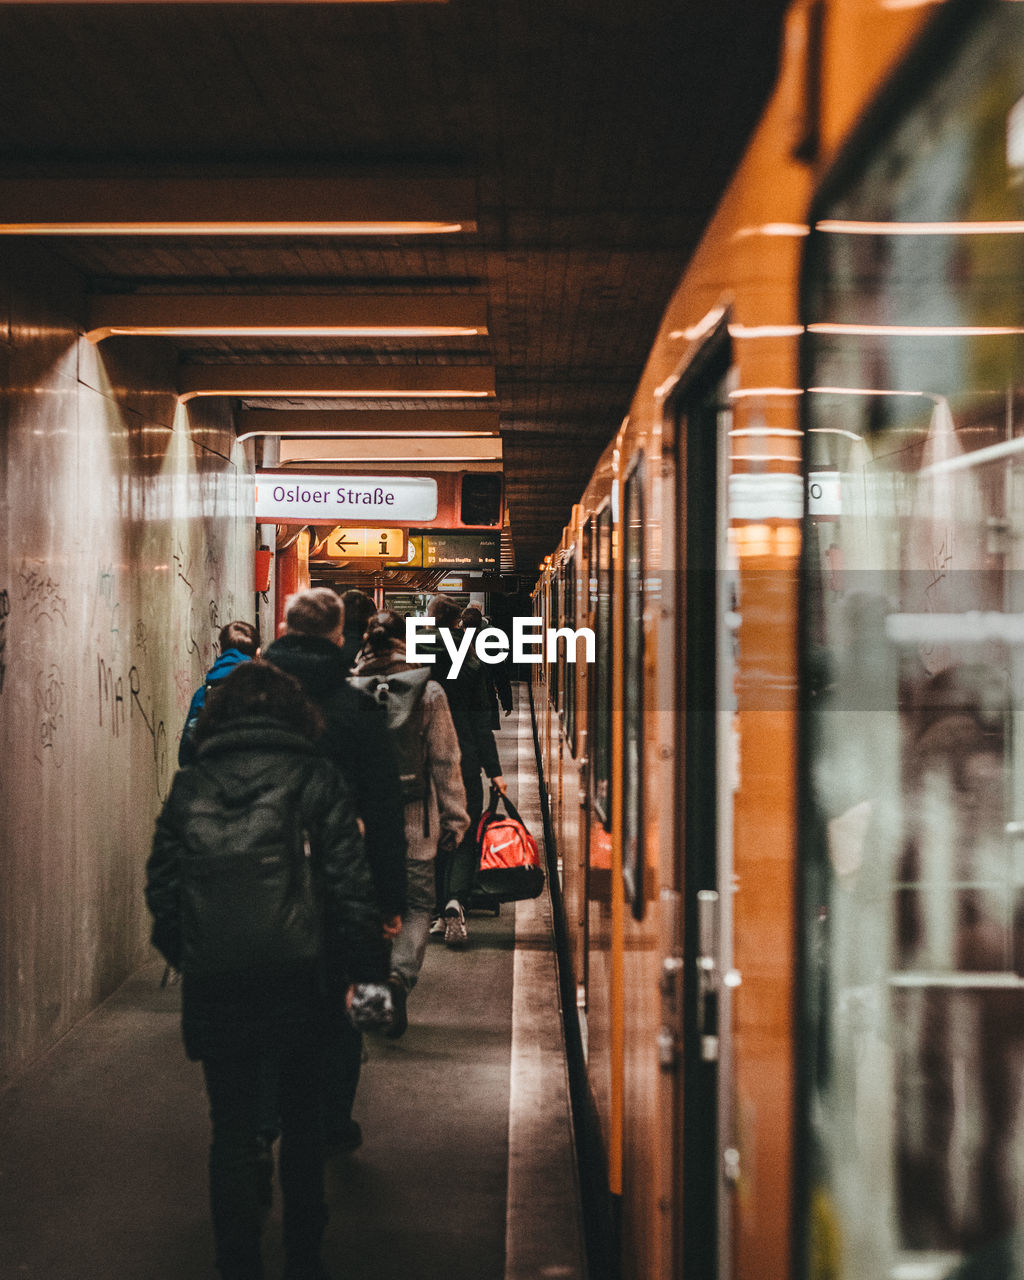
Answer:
(356, 739)
(265, 789)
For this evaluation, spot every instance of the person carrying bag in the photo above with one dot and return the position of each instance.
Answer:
(508, 861)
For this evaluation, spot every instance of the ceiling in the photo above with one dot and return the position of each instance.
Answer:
(599, 135)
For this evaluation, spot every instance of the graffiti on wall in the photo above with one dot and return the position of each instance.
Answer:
(40, 594)
(111, 698)
(154, 726)
(123, 685)
(107, 608)
(50, 700)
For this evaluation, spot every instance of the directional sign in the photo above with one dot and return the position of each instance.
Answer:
(361, 544)
(455, 551)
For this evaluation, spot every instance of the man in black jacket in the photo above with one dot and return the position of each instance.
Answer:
(259, 889)
(356, 739)
(455, 869)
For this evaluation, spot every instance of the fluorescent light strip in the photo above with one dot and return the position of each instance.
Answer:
(792, 230)
(697, 331)
(763, 433)
(765, 330)
(869, 391)
(373, 435)
(918, 330)
(843, 226)
(289, 331)
(747, 393)
(976, 458)
(750, 393)
(248, 228)
(320, 393)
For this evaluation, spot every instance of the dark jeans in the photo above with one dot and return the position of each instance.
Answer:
(344, 1063)
(455, 873)
(234, 1089)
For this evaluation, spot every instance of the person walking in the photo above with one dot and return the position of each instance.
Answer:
(238, 642)
(356, 740)
(435, 799)
(467, 696)
(496, 677)
(359, 608)
(261, 895)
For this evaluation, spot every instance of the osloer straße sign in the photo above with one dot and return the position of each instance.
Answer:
(327, 498)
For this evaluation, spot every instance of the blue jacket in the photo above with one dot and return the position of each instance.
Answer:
(224, 665)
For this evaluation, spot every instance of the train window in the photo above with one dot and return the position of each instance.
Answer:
(602, 684)
(633, 689)
(590, 559)
(553, 622)
(912, 683)
(569, 616)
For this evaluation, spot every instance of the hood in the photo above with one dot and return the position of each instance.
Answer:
(392, 660)
(225, 664)
(317, 664)
(240, 758)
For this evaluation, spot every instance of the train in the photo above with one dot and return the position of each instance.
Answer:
(785, 798)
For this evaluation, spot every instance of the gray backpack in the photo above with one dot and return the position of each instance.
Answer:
(400, 698)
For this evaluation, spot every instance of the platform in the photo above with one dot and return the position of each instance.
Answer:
(467, 1170)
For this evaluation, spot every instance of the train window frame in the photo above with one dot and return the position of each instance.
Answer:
(569, 610)
(604, 614)
(554, 688)
(633, 777)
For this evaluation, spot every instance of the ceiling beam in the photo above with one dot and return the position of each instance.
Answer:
(219, 203)
(400, 449)
(365, 422)
(128, 3)
(217, 315)
(352, 381)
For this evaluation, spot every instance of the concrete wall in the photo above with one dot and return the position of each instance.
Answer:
(126, 541)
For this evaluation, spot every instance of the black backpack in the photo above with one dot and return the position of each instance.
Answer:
(247, 892)
(400, 698)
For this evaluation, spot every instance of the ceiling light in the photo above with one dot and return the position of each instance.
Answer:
(286, 315)
(213, 201)
(389, 382)
(368, 422)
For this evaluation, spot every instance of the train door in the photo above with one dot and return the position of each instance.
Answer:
(698, 961)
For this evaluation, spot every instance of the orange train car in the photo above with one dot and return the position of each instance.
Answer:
(785, 797)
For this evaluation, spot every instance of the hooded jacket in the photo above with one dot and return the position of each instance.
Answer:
(357, 741)
(442, 815)
(224, 666)
(260, 778)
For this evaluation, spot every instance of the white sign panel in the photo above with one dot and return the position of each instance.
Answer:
(824, 495)
(769, 495)
(355, 499)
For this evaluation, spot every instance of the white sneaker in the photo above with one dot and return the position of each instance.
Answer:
(437, 927)
(455, 931)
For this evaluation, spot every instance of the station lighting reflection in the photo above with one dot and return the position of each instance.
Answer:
(848, 227)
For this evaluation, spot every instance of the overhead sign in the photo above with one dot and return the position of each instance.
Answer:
(328, 499)
(454, 551)
(357, 544)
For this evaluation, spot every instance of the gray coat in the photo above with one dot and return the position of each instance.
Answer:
(446, 799)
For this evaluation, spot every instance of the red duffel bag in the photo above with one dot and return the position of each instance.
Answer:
(508, 862)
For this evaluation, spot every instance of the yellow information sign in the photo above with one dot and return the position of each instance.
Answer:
(365, 544)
